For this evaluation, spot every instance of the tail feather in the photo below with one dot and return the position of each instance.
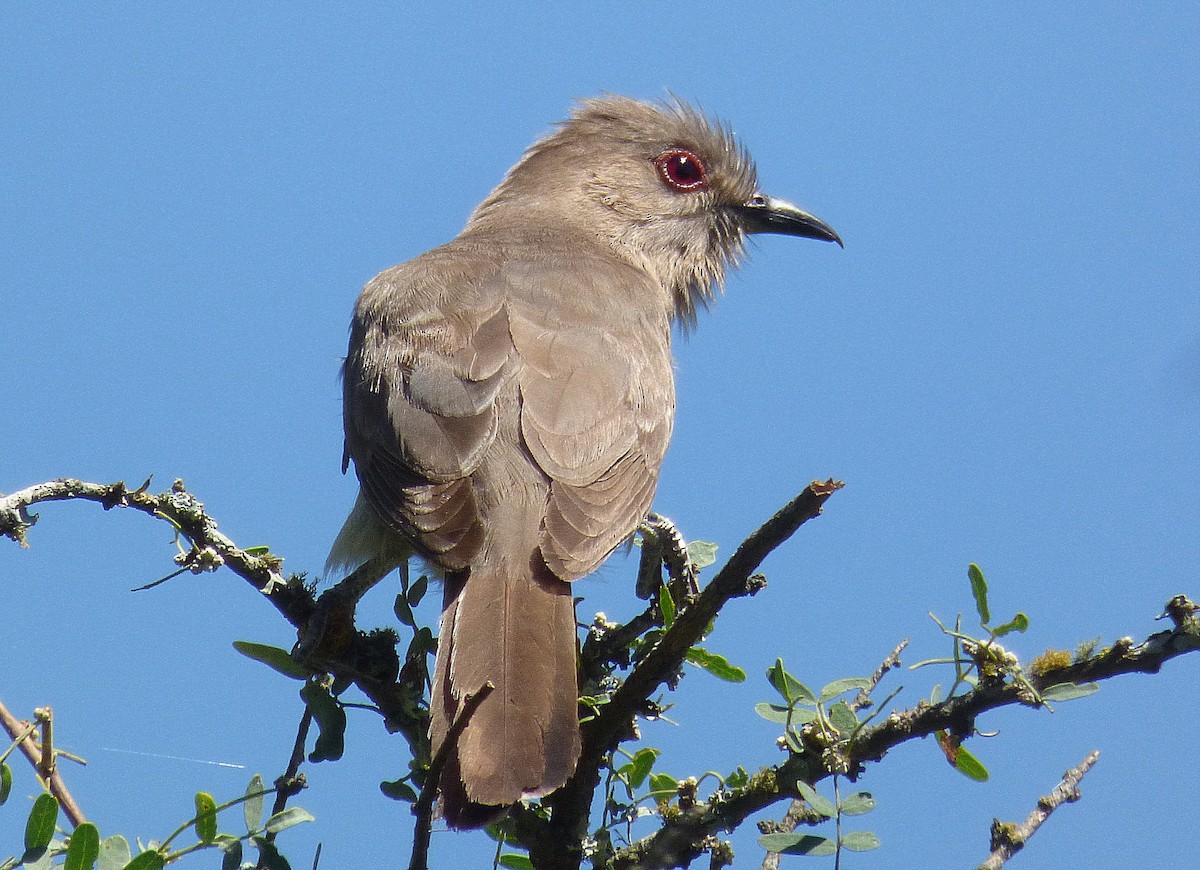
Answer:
(515, 629)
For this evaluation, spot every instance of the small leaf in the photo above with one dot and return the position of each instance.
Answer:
(39, 827)
(843, 718)
(667, 605)
(149, 860)
(858, 803)
(980, 590)
(636, 771)
(287, 818)
(252, 807)
(797, 844)
(1069, 691)
(273, 657)
(37, 859)
(517, 862)
(1020, 623)
(840, 687)
(819, 805)
(403, 611)
(268, 856)
(331, 720)
(206, 817)
(788, 686)
(418, 590)
(715, 664)
(776, 713)
(84, 848)
(859, 841)
(260, 550)
(701, 554)
(399, 790)
(663, 786)
(970, 766)
(114, 853)
(738, 779)
(6, 781)
(232, 857)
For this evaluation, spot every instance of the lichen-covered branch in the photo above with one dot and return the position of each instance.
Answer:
(570, 806)
(370, 660)
(676, 843)
(1009, 838)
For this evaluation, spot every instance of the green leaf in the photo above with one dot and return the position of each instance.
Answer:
(399, 790)
(206, 817)
(149, 860)
(820, 805)
(840, 687)
(84, 848)
(252, 807)
(738, 779)
(403, 611)
(663, 786)
(287, 818)
(638, 768)
(517, 862)
(418, 590)
(1020, 623)
(39, 827)
(232, 857)
(843, 718)
(776, 713)
(858, 803)
(859, 841)
(260, 550)
(970, 766)
(114, 853)
(1069, 691)
(797, 844)
(268, 856)
(979, 589)
(273, 657)
(788, 686)
(331, 720)
(5, 782)
(37, 859)
(701, 554)
(667, 605)
(772, 712)
(715, 664)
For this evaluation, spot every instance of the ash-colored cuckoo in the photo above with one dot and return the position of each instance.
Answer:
(508, 398)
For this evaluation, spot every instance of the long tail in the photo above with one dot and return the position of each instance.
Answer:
(515, 629)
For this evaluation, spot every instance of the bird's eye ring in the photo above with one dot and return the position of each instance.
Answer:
(682, 170)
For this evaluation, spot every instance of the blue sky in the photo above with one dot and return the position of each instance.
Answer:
(1003, 365)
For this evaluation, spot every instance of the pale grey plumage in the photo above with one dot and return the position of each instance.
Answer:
(508, 402)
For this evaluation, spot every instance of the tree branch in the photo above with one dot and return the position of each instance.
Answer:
(675, 843)
(570, 806)
(423, 809)
(1008, 839)
(42, 759)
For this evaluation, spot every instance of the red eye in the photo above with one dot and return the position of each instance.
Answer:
(682, 170)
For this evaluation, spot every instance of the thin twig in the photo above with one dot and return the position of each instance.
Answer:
(16, 728)
(1010, 838)
(798, 811)
(291, 782)
(891, 662)
(423, 809)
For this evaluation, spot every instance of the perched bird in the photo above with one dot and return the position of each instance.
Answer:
(509, 396)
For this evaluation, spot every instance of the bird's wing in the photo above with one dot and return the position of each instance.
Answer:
(597, 400)
(430, 351)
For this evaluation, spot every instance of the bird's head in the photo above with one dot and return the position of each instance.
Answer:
(667, 187)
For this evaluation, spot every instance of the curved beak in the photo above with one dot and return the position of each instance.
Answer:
(765, 214)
